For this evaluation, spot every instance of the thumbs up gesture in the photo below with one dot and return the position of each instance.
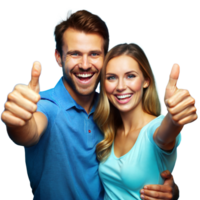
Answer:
(179, 103)
(21, 102)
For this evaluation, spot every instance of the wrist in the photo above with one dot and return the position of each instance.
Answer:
(175, 193)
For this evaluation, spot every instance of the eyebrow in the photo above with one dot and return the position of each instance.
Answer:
(125, 73)
(79, 52)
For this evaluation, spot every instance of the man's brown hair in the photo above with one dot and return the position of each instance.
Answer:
(82, 21)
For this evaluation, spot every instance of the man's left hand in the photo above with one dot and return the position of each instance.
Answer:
(167, 191)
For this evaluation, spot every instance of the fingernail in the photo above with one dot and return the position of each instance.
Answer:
(166, 173)
(145, 187)
(36, 66)
(142, 196)
(142, 191)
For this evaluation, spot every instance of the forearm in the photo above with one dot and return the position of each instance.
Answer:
(166, 134)
(26, 135)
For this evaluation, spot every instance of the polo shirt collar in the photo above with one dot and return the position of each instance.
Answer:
(62, 96)
(96, 98)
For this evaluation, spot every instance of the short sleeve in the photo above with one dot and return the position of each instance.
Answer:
(43, 107)
(178, 140)
(153, 125)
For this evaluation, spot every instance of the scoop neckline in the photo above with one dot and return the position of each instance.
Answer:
(113, 153)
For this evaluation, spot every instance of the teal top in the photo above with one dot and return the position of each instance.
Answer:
(124, 177)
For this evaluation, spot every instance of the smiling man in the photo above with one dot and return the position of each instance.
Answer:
(56, 126)
(82, 59)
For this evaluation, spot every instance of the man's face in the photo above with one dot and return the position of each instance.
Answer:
(82, 60)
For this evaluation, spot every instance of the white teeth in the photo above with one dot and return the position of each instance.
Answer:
(84, 75)
(123, 96)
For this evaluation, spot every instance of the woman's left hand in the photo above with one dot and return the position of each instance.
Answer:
(167, 191)
(179, 102)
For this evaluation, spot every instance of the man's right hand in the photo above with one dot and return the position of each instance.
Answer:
(21, 102)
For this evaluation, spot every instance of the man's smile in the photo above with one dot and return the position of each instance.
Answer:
(84, 77)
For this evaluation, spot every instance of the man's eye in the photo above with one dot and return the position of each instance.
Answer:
(74, 54)
(94, 54)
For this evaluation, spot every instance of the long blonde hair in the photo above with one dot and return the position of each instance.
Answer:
(106, 115)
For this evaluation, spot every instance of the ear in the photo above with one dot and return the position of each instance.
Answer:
(146, 83)
(58, 58)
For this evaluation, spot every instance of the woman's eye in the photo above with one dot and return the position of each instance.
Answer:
(110, 78)
(131, 76)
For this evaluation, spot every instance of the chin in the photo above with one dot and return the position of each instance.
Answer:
(124, 108)
(85, 92)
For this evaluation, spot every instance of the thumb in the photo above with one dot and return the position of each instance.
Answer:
(173, 78)
(166, 174)
(35, 74)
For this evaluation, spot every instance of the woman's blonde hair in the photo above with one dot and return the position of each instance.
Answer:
(106, 115)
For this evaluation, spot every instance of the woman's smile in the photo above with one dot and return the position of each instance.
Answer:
(123, 98)
(124, 83)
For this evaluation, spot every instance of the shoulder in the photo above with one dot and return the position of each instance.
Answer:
(48, 96)
(155, 119)
(46, 93)
(152, 119)
(151, 127)
(47, 104)
(52, 93)
(149, 117)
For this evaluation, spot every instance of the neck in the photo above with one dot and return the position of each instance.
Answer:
(134, 119)
(85, 101)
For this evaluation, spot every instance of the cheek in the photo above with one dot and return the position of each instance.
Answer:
(66, 68)
(98, 63)
(72, 62)
(136, 85)
(109, 87)
(69, 64)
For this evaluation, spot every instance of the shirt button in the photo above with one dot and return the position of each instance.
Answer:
(89, 131)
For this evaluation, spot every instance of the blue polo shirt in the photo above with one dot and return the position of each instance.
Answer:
(63, 164)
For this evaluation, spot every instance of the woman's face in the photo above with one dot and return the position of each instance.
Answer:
(124, 83)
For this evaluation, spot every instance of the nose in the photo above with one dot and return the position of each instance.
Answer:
(121, 86)
(84, 63)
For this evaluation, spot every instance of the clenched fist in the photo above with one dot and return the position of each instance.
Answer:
(21, 102)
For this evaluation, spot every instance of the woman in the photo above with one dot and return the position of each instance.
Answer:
(138, 143)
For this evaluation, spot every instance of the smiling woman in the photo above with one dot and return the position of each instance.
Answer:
(106, 115)
(138, 143)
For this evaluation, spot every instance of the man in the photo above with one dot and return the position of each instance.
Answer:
(61, 136)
